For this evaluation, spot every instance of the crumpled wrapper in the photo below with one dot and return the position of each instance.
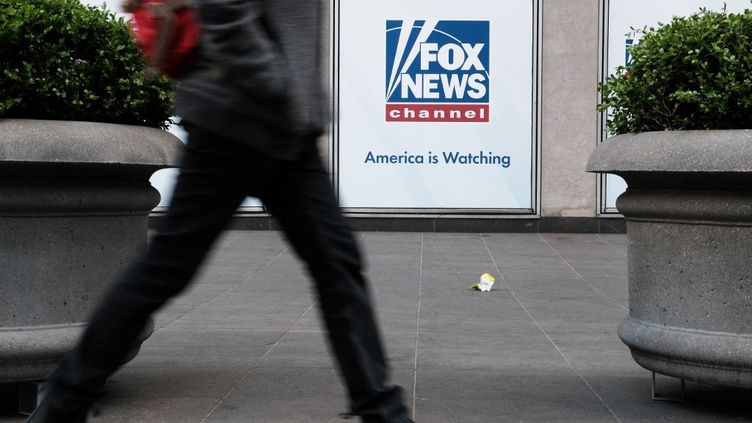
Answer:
(485, 283)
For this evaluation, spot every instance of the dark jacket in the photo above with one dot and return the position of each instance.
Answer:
(257, 75)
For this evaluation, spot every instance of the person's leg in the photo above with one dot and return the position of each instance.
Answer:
(302, 199)
(206, 195)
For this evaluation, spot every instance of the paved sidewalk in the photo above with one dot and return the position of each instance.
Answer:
(245, 345)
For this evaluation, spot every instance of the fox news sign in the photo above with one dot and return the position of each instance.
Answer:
(437, 70)
(435, 105)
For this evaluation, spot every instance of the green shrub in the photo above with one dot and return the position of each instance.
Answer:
(692, 73)
(62, 60)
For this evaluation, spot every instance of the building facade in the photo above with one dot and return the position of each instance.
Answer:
(473, 115)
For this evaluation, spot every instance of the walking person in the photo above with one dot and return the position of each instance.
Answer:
(252, 103)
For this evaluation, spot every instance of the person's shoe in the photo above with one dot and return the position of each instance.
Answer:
(367, 419)
(47, 413)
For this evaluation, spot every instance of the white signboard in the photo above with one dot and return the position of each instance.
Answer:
(626, 14)
(436, 104)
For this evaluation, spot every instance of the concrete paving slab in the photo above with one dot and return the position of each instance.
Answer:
(497, 395)
(169, 382)
(294, 395)
(176, 348)
(454, 350)
(153, 409)
(245, 342)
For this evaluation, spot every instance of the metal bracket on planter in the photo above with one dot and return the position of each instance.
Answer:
(659, 397)
(30, 394)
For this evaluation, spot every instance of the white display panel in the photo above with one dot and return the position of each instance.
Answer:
(436, 104)
(626, 14)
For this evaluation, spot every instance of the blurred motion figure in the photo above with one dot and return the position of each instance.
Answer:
(252, 102)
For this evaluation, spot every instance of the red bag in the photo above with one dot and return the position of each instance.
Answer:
(167, 31)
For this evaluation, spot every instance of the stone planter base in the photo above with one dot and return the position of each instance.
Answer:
(690, 283)
(688, 209)
(74, 204)
(27, 354)
(717, 358)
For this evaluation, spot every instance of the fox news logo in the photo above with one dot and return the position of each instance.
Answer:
(437, 71)
(628, 43)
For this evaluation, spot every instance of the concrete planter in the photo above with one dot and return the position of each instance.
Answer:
(74, 203)
(688, 209)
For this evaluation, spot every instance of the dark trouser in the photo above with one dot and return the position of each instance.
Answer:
(216, 175)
